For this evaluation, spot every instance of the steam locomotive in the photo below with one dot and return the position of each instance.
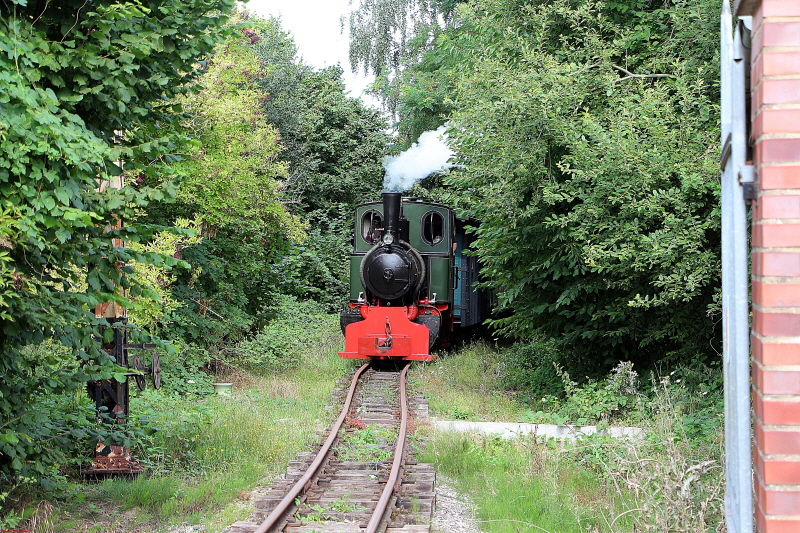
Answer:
(411, 285)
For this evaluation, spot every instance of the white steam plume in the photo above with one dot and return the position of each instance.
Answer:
(429, 154)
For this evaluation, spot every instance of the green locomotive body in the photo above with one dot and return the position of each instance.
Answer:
(422, 270)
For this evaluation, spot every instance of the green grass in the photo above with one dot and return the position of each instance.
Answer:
(519, 485)
(202, 454)
(465, 385)
(669, 481)
(365, 445)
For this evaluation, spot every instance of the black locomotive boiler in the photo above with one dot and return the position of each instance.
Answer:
(410, 282)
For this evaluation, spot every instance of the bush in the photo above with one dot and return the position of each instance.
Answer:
(530, 368)
(669, 481)
(188, 371)
(601, 401)
(280, 344)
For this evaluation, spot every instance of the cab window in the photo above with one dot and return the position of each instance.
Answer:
(371, 224)
(432, 228)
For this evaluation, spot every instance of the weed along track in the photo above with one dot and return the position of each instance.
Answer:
(363, 478)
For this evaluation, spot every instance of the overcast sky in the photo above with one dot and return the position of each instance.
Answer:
(316, 29)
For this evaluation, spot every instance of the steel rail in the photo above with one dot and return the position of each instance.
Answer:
(380, 509)
(288, 500)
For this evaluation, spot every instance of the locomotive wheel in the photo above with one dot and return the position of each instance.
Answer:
(136, 364)
(156, 371)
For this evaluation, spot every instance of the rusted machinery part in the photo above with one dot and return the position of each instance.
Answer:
(136, 363)
(380, 509)
(295, 491)
(156, 369)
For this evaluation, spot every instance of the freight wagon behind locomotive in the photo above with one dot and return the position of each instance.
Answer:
(410, 282)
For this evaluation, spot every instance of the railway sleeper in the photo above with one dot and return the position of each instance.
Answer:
(341, 527)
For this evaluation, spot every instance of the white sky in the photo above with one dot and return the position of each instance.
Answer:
(316, 29)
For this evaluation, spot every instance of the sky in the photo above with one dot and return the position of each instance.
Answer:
(316, 28)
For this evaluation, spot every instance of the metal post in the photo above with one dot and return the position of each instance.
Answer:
(735, 296)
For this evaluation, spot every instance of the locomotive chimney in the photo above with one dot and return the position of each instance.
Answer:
(391, 212)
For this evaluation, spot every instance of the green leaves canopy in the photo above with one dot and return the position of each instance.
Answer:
(83, 86)
(588, 134)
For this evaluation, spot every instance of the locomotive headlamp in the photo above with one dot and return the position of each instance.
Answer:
(388, 238)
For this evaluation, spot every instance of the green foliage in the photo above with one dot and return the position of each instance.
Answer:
(83, 89)
(230, 174)
(394, 40)
(530, 367)
(280, 344)
(187, 372)
(587, 160)
(148, 312)
(369, 445)
(229, 187)
(333, 146)
(518, 485)
(54, 431)
(595, 401)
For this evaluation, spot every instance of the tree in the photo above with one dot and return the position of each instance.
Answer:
(587, 134)
(229, 181)
(395, 40)
(333, 146)
(83, 86)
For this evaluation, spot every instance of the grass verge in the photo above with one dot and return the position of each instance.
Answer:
(204, 454)
(671, 480)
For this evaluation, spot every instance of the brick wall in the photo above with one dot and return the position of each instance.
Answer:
(775, 97)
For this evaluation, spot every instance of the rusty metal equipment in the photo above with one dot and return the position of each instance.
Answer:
(112, 397)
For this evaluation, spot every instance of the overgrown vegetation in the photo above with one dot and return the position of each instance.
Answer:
(585, 134)
(669, 480)
(83, 87)
(201, 451)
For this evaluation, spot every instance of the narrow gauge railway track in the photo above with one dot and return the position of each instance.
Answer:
(363, 479)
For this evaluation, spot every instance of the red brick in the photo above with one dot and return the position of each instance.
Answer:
(777, 442)
(776, 235)
(782, 473)
(780, 33)
(780, 8)
(758, 20)
(781, 63)
(780, 91)
(777, 413)
(773, 525)
(782, 526)
(781, 382)
(779, 150)
(781, 120)
(776, 264)
(760, 519)
(776, 294)
(756, 68)
(756, 98)
(756, 44)
(782, 503)
(756, 127)
(782, 206)
(775, 353)
(772, 177)
(776, 324)
(775, 472)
